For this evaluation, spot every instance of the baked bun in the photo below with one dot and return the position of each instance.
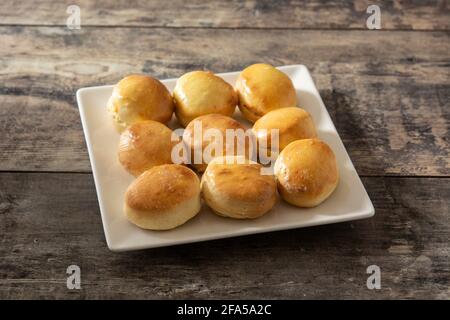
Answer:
(198, 141)
(163, 197)
(234, 187)
(202, 92)
(293, 124)
(307, 172)
(144, 145)
(262, 88)
(138, 97)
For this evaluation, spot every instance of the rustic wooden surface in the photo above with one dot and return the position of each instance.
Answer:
(387, 91)
(267, 14)
(368, 80)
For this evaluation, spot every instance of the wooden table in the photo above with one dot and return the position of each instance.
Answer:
(388, 92)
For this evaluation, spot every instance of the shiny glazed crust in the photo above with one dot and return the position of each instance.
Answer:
(262, 88)
(238, 189)
(293, 124)
(163, 197)
(221, 123)
(144, 145)
(307, 172)
(138, 97)
(199, 93)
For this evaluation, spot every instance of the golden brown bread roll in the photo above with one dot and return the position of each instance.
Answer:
(307, 172)
(198, 143)
(234, 187)
(163, 197)
(144, 145)
(199, 93)
(138, 97)
(262, 88)
(293, 124)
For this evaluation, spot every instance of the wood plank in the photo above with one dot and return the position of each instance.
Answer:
(337, 14)
(388, 93)
(50, 221)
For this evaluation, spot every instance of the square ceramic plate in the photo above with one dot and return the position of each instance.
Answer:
(348, 202)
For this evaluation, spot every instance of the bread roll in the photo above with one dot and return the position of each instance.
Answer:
(262, 88)
(234, 187)
(163, 197)
(307, 172)
(138, 97)
(144, 145)
(293, 124)
(201, 142)
(199, 93)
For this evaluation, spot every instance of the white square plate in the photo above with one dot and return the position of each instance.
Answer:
(349, 201)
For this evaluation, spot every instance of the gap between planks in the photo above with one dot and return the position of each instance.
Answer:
(122, 26)
(394, 176)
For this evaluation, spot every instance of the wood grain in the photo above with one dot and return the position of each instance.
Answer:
(50, 221)
(316, 14)
(388, 93)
